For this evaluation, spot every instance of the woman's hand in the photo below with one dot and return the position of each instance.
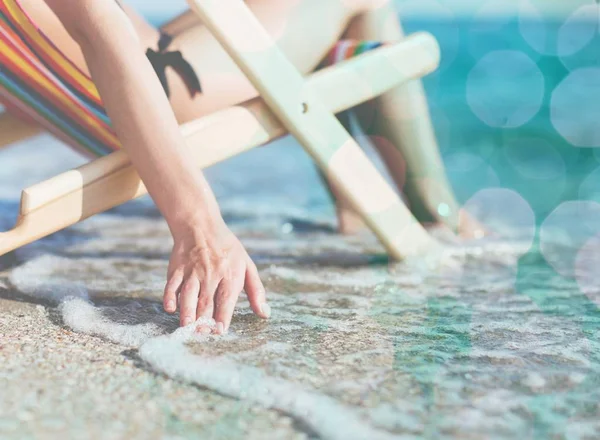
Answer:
(208, 269)
(209, 266)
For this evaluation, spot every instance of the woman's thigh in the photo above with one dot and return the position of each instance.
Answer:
(304, 29)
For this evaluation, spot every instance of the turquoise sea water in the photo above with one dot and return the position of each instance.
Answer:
(517, 139)
(492, 339)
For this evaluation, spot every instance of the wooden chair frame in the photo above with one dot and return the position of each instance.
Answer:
(304, 107)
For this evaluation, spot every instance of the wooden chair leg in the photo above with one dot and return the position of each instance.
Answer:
(111, 180)
(306, 116)
(13, 129)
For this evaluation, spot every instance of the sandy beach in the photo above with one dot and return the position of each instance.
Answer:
(482, 341)
(58, 383)
(490, 339)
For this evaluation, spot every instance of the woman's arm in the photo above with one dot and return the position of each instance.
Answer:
(208, 265)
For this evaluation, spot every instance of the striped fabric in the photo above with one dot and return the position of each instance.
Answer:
(346, 49)
(38, 82)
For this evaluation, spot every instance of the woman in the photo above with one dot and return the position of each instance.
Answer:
(209, 267)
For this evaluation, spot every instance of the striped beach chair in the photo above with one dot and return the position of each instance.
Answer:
(42, 90)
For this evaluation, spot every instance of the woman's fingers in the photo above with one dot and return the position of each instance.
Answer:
(225, 300)
(215, 292)
(205, 306)
(256, 291)
(188, 300)
(170, 295)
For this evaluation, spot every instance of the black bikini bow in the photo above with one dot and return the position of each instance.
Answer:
(162, 59)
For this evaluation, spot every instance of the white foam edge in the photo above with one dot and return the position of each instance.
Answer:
(83, 317)
(169, 354)
(328, 418)
(32, 279)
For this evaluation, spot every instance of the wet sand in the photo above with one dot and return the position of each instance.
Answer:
(60, 384)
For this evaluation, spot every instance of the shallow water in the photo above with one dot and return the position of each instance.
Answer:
(490, 339)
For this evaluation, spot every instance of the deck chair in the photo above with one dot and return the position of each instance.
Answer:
(43, 90)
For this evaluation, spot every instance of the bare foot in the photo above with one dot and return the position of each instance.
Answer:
(469, 228)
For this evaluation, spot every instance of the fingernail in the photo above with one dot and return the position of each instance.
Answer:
(170, 305)
(203, 330)
(265, 309)
(220, 328)
(187, 321)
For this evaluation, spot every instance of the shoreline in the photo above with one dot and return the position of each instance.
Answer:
(61, 384)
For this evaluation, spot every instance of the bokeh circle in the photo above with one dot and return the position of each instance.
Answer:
(579, 38)
(575, 105)
(504, 213)
(505, 89)
(540, 25)
(565, 231)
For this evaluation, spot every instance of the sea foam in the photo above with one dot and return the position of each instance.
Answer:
(83, 317)
(324, 415)
(169, 353)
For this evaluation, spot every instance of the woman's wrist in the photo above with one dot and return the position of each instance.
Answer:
(186, 202)
(194, 218)
(198, 227)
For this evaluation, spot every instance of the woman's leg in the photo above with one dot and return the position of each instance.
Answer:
(399, 122)
(399, 125)
(305, 30)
